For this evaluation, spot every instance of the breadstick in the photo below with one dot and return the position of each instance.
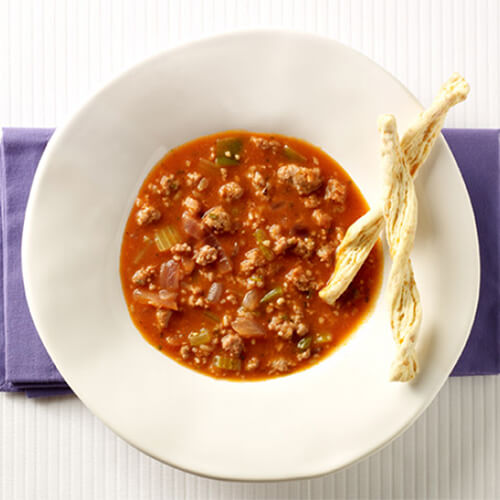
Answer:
(400, 215)
(416, 145)
(421, 135)
(352, 253)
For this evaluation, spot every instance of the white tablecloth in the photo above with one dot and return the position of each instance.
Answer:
(54, 53)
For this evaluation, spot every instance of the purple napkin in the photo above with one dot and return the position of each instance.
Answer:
(24, 362)
(477, 153)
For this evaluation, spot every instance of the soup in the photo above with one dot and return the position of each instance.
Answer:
(229, 240)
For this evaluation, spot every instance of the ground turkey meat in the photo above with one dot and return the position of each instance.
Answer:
(325, 252)
(280, 365)
(252, 364)
(286, 326)
(203, 184)
(321, 218)
(193, 178)
(169, 184)
(282, 244)
(185, 351)
(335, 191)
(184, 248)
(231, 191)
(195, 299)
(217, 220)
(162, 318)
(275, 231)
(144, 275)
(233, 344)
(305, 180)
(192, 205)
(304, 355)
(266, 144)
(257, 280)
(253, 259)
(302, 280)
(259, 183)
(205, 255)
(257, 178)
(312, 201)
(147, 214)
(304, 248)
(339, 234)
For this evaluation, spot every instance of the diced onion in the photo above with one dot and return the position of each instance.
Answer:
(224, 264)
(169, 275)
(251, 300)
(248, 328)
(187, 265)
(191, 226)
(214, 292)
(163, 298)
(163, 322)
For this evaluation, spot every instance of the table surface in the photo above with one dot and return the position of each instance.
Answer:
(53, 54)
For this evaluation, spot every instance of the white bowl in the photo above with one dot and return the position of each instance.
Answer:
(306, 424)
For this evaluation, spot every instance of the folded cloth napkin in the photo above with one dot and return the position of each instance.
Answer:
(477, 153)
(24, 362)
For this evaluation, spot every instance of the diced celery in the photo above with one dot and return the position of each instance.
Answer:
(293, 155)
(304, 343)
(227, 363)
(167, 237)
(272, 294)
(201, 337)
(231, 144)
(207, 163)
(140, 254)
(224, 161)
(227, 151)
(212, 316)
(207, 166)
(261, 236)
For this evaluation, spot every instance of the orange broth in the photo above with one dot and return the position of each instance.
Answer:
(296, 329)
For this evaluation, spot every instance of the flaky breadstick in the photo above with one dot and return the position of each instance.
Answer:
(352, 252)
(400, 214)
(421, 135)
(416, 145)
